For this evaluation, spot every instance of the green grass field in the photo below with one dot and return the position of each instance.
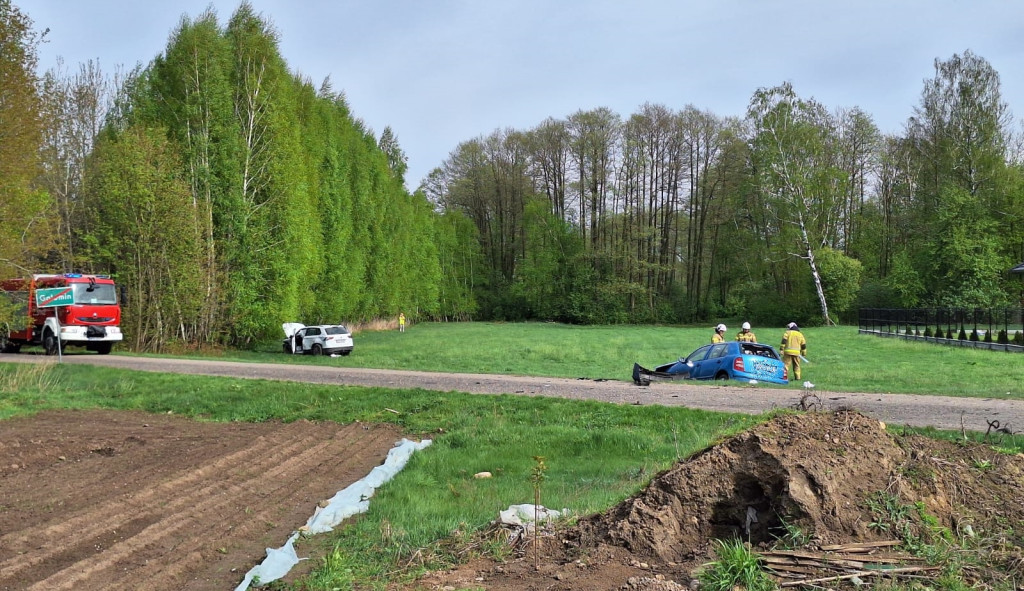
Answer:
(841, 360)
(596, 453)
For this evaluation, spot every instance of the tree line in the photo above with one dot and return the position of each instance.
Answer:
(227, 195)
(224, 193)
(794, 211)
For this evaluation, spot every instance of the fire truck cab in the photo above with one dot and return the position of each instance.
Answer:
(92, 318)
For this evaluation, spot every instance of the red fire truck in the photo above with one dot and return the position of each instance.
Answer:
(91, 318)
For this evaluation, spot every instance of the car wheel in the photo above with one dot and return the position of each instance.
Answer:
(50, 343)
(722, 376)
(345, 353)
(318, 350)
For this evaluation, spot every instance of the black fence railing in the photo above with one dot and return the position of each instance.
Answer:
(999, 329)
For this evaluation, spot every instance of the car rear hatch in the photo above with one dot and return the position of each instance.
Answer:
(761, 362)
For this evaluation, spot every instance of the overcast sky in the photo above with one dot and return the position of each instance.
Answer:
(441, 72)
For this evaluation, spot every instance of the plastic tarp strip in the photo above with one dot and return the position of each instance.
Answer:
(354, 499)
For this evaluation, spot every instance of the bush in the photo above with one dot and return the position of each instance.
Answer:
(1018, 338)
(963, 334)
(988, 336)
(927, 332)
(1003, 339)
(974, 335)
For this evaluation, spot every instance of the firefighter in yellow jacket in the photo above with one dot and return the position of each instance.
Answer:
(719, 336)
(744, 335)
(794, 348)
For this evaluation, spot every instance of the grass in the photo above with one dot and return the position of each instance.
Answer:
(595, 454)
(841, 360)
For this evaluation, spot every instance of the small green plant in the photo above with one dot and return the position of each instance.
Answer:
(888, 511)
(737, 566)
(982, 465)
(792, 537)
(536, 478)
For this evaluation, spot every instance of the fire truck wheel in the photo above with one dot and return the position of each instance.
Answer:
(50, 342)
(104, 348)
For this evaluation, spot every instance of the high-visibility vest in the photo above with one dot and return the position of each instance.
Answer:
(717, 338)
(746, 337)
(793, 342)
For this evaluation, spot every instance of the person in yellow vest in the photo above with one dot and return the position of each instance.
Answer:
(401, 322)
(794, 348)
(719, 336)
(745, 336)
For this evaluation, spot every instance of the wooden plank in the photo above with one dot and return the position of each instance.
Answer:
(863, 573)
(860, 545)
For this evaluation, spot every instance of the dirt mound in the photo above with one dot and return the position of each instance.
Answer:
(826, 475)
(817, 479)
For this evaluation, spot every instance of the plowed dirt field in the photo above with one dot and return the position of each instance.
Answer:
(134, 501)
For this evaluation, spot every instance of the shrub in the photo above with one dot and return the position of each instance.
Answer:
(927, 331)
(1018, 338)
(1002, 339)
(988, 336)
(963, 334)
(974, 335)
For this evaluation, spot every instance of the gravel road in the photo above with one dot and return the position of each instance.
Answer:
(941, 412)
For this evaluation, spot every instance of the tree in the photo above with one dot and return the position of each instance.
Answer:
(29, 224)
(796, 172)
(147, 235)
(74, 108)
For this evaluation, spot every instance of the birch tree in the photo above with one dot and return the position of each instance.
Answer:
(795, 172)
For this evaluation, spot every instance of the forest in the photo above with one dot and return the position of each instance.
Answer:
(228, 194)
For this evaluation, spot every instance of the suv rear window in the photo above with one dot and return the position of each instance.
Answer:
(336, 330)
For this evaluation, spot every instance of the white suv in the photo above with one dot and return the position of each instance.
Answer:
(324, 339)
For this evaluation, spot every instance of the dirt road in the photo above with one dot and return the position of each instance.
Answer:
(900, 409)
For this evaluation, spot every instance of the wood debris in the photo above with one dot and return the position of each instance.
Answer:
(839, 562)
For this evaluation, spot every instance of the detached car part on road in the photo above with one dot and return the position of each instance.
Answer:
(322, 339)
(747, 362)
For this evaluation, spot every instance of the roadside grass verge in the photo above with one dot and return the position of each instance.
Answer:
(596, 453)
(840, 359)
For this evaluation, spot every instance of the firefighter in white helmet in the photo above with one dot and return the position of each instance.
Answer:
(745, 336)
(719, 336)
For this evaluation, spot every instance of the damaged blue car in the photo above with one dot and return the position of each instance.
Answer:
(746, 362)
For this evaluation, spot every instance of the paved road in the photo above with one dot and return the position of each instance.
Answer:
(921, 411)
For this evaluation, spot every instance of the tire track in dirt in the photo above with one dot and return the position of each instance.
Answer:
(192, 527)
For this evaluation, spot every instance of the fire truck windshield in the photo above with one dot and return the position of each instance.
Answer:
(101, 293)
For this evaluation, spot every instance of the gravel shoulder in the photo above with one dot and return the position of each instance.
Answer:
(941, 412)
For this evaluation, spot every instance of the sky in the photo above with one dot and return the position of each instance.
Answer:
(441, 72)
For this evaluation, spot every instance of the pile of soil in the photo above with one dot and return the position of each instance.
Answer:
(825, 475)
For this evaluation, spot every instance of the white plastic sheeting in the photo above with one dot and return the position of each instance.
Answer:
(522, 515)
(354, 499)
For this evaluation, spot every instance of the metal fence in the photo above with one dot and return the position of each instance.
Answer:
(998, 329)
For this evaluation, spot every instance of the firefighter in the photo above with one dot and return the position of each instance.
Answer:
(719, 336)
(745, 336)
(794, 348)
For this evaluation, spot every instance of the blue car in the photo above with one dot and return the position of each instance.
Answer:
(747, 362)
